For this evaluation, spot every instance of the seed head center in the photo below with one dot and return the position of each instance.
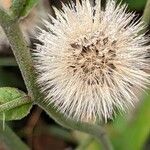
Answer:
(93, 55)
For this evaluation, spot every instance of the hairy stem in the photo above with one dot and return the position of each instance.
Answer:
(15, 103)
(10, 140)
(146, 14)
(20, 50)
(94, 130)
(23, 57)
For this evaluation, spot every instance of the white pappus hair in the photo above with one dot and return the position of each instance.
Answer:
(91, 58)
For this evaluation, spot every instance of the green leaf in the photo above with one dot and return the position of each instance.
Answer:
(135, 4)
(29, 5)
(17, 7)
(136, 131)
(10, 140)
(22, 8)
(86, 142)
(95, 145)
(89, 144)
(8, 61)
(14, 103)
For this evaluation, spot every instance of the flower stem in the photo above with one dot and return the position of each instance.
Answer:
(146, 14)
(20, 50)
(24, 60)
(94, 130)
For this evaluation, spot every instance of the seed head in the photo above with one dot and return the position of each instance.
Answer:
(90, 59)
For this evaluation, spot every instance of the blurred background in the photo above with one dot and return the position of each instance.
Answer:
(127, 131)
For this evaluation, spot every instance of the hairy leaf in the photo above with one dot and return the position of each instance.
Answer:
(21, 8)
(29, 5)
(14, 103)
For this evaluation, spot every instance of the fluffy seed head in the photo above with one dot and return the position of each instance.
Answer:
(91, 58)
